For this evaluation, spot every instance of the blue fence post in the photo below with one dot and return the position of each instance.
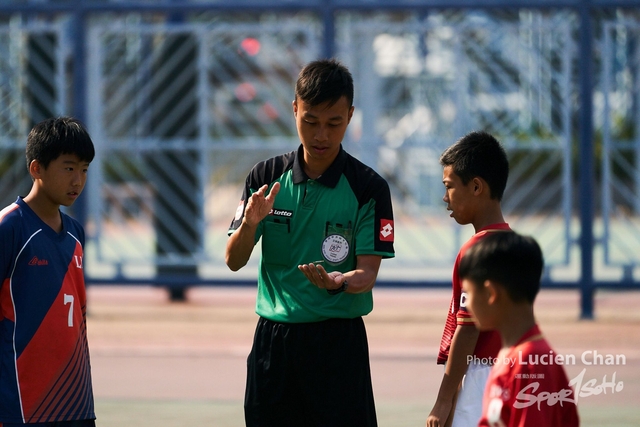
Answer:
(586, 156)
(79, 92)
(329, 34)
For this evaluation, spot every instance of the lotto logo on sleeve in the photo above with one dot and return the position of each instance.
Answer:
(386, 230)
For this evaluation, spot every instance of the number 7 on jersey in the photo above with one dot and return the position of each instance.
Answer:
(68, 299)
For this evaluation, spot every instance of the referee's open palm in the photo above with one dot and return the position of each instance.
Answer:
(260, 204)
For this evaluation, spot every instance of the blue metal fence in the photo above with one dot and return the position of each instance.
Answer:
(86, 32)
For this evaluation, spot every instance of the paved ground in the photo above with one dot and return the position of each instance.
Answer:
(157, 363)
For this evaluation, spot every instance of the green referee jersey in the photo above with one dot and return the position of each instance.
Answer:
(344, 213)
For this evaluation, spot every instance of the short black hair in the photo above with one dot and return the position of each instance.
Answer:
(479, 154)
(56, 136)
(510, 259)
(324, 80)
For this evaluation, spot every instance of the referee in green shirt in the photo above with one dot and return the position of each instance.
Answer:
(325, 221)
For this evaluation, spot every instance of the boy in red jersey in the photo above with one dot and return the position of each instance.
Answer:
(475, 176)
(45, 373)
(501, 276)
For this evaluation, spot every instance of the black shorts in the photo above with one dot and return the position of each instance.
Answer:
(78, 423)
(309, 374)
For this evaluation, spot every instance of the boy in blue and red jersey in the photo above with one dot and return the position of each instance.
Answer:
(45, 374)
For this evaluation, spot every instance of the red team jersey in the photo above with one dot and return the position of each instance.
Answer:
(489, 342)
(526, 389)
(45, 373)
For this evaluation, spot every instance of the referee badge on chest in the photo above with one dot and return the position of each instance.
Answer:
(337, 243)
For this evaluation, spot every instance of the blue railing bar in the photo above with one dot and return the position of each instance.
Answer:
(319, 5)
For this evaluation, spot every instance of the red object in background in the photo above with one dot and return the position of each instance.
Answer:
(251, 46)
(245, 92)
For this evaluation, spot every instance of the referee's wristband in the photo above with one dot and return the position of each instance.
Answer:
(339, 290)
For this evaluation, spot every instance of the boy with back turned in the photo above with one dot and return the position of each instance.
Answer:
(501, 277)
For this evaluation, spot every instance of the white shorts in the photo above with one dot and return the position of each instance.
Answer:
(469, 406)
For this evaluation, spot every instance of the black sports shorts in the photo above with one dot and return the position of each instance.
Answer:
(309, 374)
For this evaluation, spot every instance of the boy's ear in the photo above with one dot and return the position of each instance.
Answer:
(478, 185)
(493, 291)
(35, 169)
